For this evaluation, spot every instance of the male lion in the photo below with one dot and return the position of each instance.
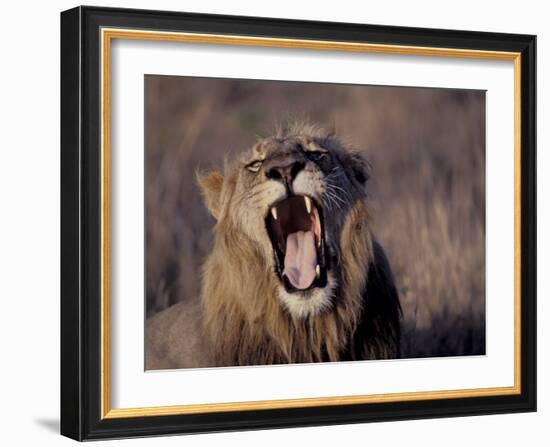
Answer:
(295, 274)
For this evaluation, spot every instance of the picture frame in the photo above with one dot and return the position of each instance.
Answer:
(87, 34)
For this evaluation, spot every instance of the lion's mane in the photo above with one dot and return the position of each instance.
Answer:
(244, 321)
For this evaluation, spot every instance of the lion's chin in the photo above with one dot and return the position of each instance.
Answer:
(296, 230)
(308, 303)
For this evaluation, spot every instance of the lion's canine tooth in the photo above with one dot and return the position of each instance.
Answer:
(308, 204)
(274, 213)
(318, 270)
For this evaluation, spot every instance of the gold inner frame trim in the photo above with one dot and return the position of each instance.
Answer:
(107, 35)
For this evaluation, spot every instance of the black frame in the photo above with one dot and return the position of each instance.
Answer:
(80, 223)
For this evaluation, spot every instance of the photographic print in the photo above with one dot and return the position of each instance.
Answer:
(300, 222)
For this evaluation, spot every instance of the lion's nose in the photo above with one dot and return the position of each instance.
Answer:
(286, 173)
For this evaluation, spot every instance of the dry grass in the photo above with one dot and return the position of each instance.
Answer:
(427, 189)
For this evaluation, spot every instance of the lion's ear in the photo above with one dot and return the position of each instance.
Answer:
(211, 187)
(360, 167)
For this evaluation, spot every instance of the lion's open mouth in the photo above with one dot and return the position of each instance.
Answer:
(295, 227)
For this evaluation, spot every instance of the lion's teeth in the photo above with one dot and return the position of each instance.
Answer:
(318, 271)
(308, 204)
(274, 213)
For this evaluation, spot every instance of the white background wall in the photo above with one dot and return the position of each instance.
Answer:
(29, 219)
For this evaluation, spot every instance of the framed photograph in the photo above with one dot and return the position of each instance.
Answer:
(274, 223)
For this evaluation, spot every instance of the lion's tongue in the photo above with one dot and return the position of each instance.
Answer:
(300, 259)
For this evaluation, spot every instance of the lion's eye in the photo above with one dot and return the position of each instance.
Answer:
(317, 155)
(254, 166)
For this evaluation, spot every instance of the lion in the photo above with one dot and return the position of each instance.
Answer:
(295, 274)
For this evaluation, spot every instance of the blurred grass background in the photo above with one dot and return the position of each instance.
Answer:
(427, 188)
